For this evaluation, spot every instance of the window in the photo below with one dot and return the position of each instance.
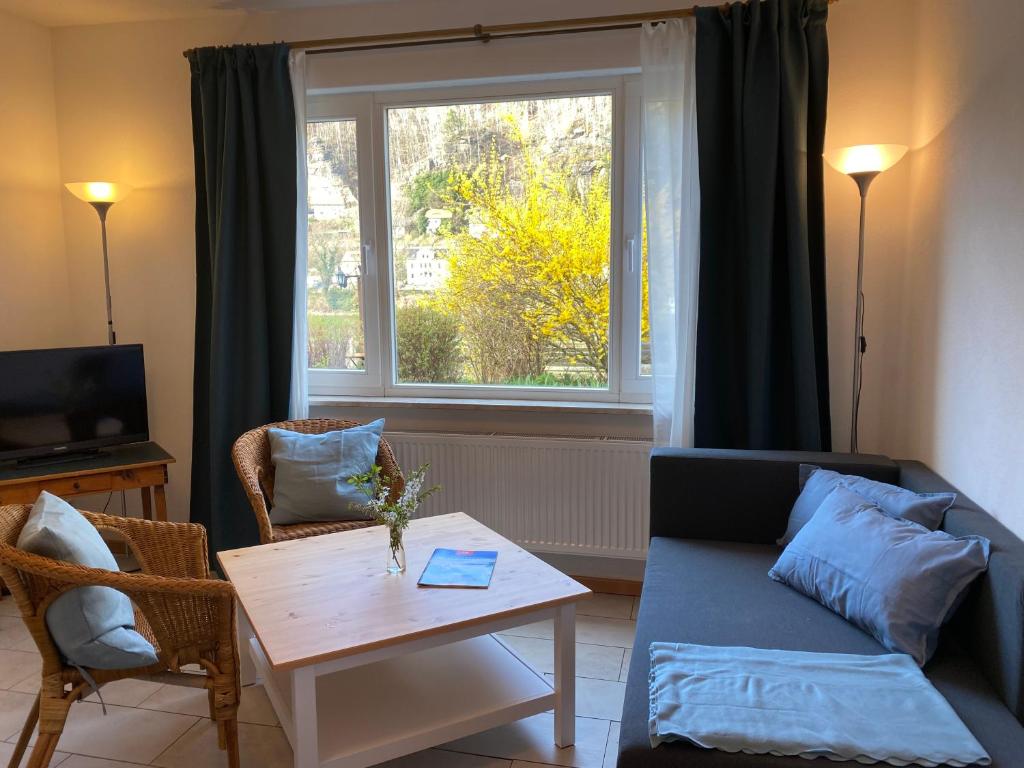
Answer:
(334, 305)
(465, 243)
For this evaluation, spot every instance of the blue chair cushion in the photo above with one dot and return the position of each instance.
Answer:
(92, 626)
(311, 473)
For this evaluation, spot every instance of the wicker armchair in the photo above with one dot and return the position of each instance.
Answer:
(251, 454)
(189, 618)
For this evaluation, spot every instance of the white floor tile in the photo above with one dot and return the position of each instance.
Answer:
(601, 699)
(19, 666)
(259, 745)
(624, 672)
(611, 754)
(594, 630)
(14, 709)
(600, 661)
(8, 607)
(182, 699)
(6, 750)
(126, 693)
(124, 733)
(533, 740)
(81, 761)
(255, 707)
(14, 635)
(608, 606)
(441, 758)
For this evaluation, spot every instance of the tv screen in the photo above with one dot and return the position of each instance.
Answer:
(58, 401)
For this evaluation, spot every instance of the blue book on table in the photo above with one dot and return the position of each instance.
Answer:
(459, 568)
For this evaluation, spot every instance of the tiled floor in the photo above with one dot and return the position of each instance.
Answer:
(160, 725)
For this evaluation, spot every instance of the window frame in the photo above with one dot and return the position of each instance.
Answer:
(369, 109)
(369, 381)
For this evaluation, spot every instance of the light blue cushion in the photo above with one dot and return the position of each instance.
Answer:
(311, 473)
(817, 483)
(92, 626)
(893, 578)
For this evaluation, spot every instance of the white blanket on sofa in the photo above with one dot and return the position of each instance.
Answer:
(845, 707)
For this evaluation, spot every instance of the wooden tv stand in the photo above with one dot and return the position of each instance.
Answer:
(121, 468)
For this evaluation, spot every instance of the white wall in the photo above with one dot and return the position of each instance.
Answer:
(960, 365)
(945, 248)
(34, 310)
(871, 92)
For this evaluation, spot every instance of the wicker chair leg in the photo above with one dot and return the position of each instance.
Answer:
(231, 728)
(26, 734)
(222, 734)
(43, 751)
(211, 698)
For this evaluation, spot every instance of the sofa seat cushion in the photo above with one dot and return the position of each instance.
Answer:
(719, 593)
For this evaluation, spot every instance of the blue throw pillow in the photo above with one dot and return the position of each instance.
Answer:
(92, 626)
(311, 473)
(817, 483)
(893, 578)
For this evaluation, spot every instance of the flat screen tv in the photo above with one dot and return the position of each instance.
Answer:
(64, 402)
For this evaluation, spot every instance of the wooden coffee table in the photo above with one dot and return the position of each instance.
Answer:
(362, 666)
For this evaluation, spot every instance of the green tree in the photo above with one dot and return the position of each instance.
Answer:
(428, 345)
(533, 290)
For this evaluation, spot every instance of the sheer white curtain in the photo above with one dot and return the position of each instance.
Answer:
(298, 407)
(672, 190)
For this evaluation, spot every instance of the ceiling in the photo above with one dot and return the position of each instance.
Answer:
(65, 13)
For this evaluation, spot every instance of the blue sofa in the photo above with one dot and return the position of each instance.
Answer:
(715, 516)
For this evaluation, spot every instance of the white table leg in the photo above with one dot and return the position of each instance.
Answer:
(247, 669)
(307, 752)
(565, 675)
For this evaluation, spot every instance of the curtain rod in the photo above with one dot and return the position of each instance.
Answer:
(482, 34)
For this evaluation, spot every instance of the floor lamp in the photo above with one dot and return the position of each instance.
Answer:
(862, 163)
(101, 195)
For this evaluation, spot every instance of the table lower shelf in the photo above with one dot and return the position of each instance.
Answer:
(390, 708)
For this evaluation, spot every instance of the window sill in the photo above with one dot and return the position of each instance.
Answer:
(460, 404)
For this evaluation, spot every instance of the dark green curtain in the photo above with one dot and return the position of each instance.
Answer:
(243, 131)
(762, 351)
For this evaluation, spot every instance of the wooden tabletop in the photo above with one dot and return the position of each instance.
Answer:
(329, 596)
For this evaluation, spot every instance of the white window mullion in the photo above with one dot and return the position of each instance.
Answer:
(634, 386)
(382, 203)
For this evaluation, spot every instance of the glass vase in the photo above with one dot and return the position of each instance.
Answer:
(396, 553)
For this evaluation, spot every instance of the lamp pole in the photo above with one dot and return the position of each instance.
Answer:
(101, 208)
(862, 163)
(101, 195)
(860, 344)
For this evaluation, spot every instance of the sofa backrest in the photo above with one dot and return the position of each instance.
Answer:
(990, 623)
(732, 495)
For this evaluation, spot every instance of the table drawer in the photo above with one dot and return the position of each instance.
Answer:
(27, 493)
(117, 480)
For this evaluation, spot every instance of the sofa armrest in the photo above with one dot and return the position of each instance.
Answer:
(742, 496)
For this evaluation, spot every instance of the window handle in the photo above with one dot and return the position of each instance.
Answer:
(366, 257)
(631, 255)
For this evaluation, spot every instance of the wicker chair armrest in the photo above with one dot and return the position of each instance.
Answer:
(175, 550)
(244, 456)
(60, 573)
(187, 617)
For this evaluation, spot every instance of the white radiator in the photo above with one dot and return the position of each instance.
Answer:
(547, 494)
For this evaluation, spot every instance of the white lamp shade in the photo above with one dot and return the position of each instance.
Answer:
(865, 158)
(98, 191)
